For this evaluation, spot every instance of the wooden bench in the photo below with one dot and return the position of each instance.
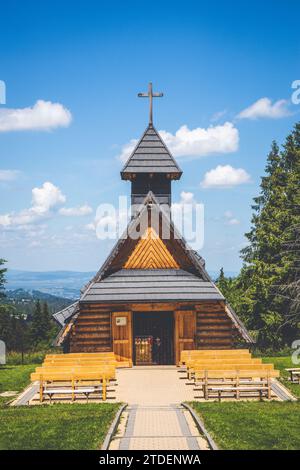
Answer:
(71, 384)
(235, 365)
(191, 363)
(294, 374)
(107, 371)
(213, 353)
(236, 383)
(253, 368)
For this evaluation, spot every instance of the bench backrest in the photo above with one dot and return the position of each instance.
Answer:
(66, 376)
(233, 361)
(232, 374)
(80, 355)
(81, 362)
(234, 367)
(187, 354)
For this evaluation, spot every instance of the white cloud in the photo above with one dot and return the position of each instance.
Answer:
(225, 177)
(43, 115)
(263, 108)
(127, 149)
(218, 115)
(8, 175)
(230, 219)
(195, 142)
(44, 199)
(76, 211)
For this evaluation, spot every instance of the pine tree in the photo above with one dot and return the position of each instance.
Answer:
(229, 288)
(40, 324)
(266, 264)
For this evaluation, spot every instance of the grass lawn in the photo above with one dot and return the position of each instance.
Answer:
(76, 426)
(15, 377)
(252, 425)
(282, 363)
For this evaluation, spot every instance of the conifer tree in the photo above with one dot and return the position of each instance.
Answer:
(267, 266)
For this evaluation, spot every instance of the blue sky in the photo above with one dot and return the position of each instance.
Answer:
(212, 60)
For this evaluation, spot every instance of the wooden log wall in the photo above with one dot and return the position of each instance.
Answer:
(214, 330)
(92, 330)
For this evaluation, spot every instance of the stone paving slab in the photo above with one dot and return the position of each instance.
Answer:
(148, 428)
(153, 386)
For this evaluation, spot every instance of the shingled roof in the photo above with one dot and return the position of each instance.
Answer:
(151, 155)
(152, 285)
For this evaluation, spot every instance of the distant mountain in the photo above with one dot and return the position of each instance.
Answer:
(65, 284)
(25, 300)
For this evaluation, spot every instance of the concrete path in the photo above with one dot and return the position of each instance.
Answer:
(157, 428)
(153, 386)
(154, 418)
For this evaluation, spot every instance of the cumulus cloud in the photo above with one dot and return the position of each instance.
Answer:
(225, 177)
(46, 197)
(43, 115)
(264, 108)
(44, 200)
(76, 211)
(8, 175)
(197, 142)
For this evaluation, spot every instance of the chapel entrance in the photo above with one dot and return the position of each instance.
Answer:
(153, 338)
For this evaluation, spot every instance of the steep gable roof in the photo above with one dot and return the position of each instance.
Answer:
(183, 255)
(151, 155)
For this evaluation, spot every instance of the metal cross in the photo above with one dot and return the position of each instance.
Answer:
(150, 95)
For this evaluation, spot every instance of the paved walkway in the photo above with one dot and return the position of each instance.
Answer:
(156, 428)
(153, 385)
(154, 418)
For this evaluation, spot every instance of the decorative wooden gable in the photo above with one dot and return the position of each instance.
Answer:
(151, 253)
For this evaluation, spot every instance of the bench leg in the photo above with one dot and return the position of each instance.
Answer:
(219, 395)
(104, 389)
(41, 392)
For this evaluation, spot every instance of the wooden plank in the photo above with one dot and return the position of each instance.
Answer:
(185, 330)
(122, 337)
(150, 253)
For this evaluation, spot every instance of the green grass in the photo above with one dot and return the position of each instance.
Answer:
(282, 363)
(76, 426)
(15, 377)
(252, 425)
(71, 426)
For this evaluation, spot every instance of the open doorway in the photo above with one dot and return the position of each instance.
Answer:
(153, 338)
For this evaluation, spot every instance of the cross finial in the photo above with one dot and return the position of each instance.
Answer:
(150, 95)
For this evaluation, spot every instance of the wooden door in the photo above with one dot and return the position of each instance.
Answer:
(185, 332)
(122, 336)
